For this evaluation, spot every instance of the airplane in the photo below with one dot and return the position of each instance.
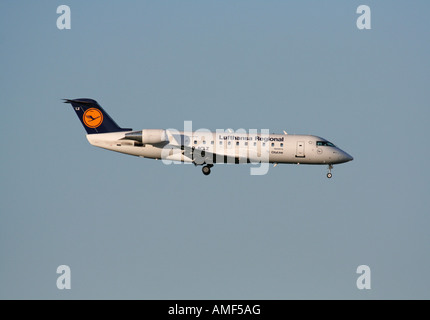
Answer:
(205, 148)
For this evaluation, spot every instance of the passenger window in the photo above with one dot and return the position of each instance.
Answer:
(273, 144)
(282, 145)
(212, 142)
(204, 141)
(220, 143)
(246, 143)
(237, 143)
(229, 143)
(255, 144)
(264, 144)
(195, 141)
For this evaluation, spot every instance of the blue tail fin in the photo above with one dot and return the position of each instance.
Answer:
(93, 117)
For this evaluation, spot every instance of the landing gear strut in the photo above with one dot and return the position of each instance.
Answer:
(207, 169)
(329, 175)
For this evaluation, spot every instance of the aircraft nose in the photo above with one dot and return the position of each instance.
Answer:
(347, 157)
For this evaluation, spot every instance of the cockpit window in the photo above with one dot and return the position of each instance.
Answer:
(325, 143)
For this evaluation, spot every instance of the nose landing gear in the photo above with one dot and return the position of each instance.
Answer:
(329, 175)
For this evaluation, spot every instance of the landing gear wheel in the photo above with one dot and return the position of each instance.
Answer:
(206, 170)
(329, 175)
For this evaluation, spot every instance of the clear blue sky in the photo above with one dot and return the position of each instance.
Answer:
(137, 229)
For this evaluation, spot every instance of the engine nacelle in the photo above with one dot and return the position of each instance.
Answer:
(154, 136)
(150, 136)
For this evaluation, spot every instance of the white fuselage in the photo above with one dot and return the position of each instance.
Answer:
(227, 147)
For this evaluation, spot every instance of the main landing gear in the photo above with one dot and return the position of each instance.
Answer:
(207, 169)
(329, 175)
